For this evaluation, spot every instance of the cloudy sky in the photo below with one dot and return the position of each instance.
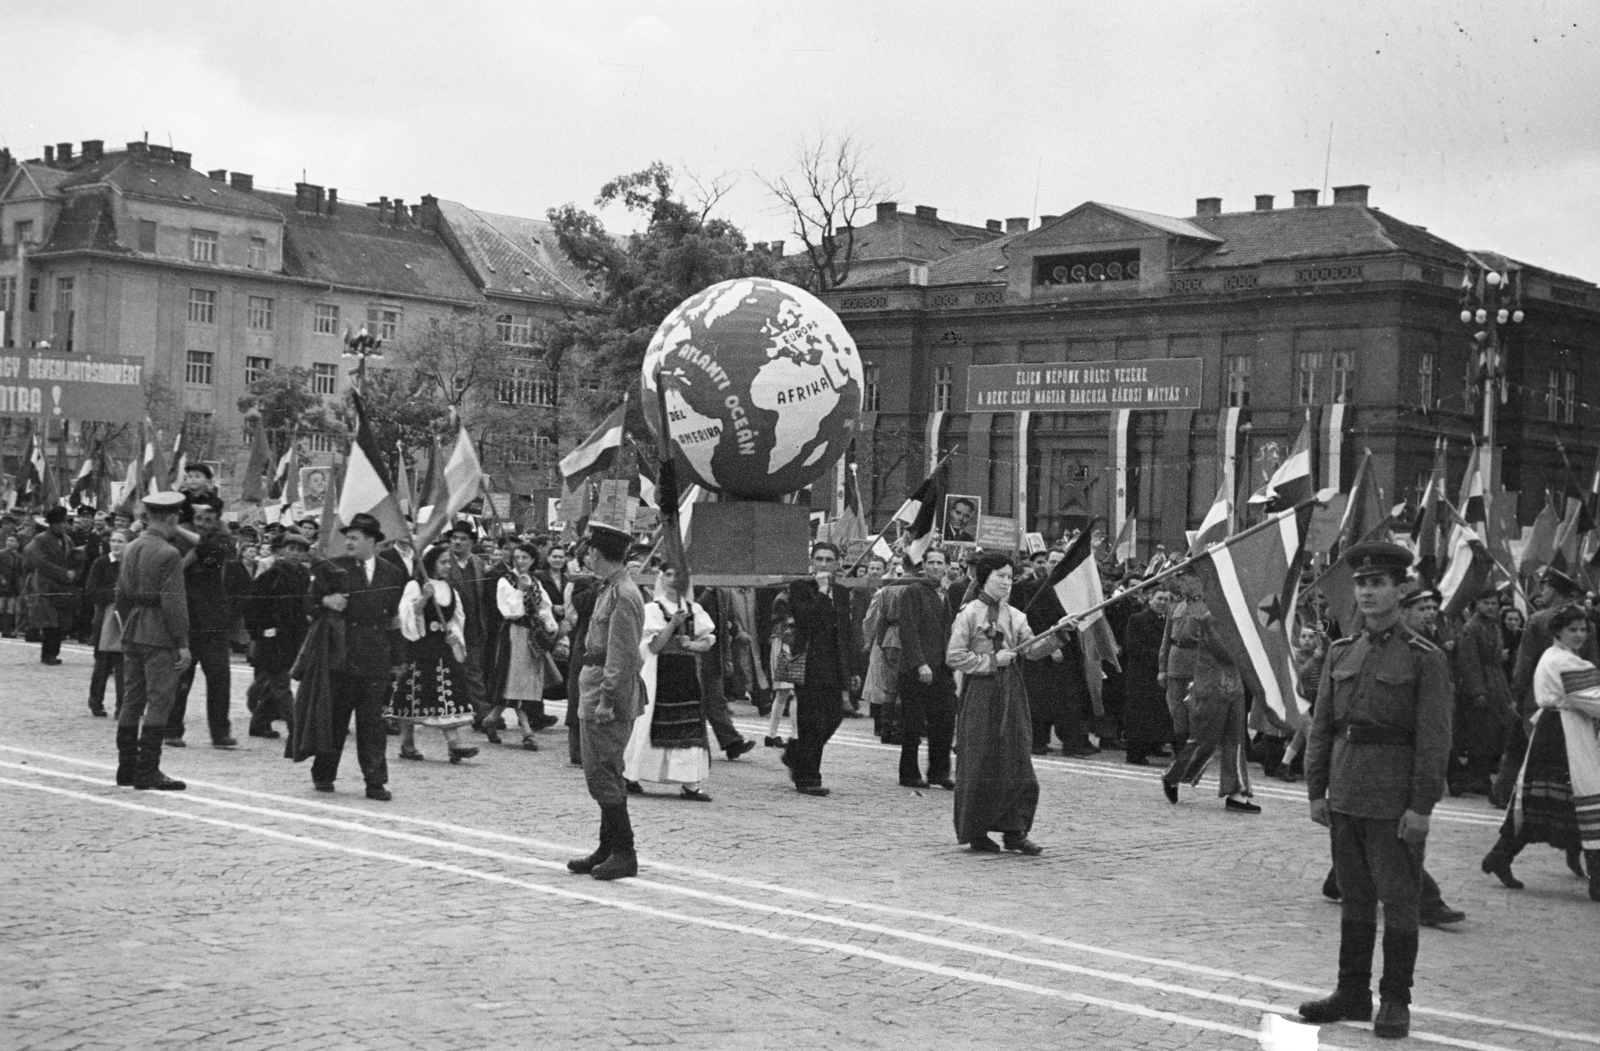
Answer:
(1479, 120)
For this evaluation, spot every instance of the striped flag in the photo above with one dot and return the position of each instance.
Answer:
(367, 488)
(917, 514)
(850, 525)
(1076, 583)
(86, 486)
(402, 482)
(598, 451)
(456, 485)
(1291, 482)
(1542, 540)
(288, 482)
(1470, 568)
(1430, 525)
(1126, 547)
(1216, 525)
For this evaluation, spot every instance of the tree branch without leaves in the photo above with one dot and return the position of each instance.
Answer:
(824, 196)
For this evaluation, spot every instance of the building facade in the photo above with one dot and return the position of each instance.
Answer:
(1338, 313)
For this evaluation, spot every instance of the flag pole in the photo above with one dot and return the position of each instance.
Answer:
(879, 535)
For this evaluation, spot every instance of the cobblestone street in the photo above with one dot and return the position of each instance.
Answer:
(250, 912)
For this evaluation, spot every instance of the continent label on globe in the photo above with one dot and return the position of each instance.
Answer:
(762, 386)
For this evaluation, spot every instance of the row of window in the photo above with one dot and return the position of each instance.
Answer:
(199, 370)
(203, 245)
(384, 323)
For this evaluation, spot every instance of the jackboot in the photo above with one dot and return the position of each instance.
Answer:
(1497, 862)
(127, 755)
(622, 862)
(1352, 998)
(1330, 886)
(148, 775)
(1592, 858)
(584, 866)
(1394, 988)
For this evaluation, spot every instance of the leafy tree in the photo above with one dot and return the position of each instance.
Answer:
(282, 398)
(824, 196)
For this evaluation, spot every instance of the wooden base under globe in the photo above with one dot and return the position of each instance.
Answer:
(740, 543)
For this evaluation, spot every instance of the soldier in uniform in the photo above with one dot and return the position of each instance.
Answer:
(1375, 765)
(1175, 662)
(610, 698)
(154, 606)
(1484, 709)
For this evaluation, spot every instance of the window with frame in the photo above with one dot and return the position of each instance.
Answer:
(203, 246)
(33, 294)
(382, 323)
(22, 232)
(530, 383)
(1306, 385)
(61, 329)
(324, 379)
(8, 307)
(65, 287)
(1342, 377)
(1238, 373)
(515, 329)
(943, 388)
(258, 313)
(527, 449)
(1427, 362)
(199, 367)
(255, 368)
(325, 319)
(1561, 396)
(202, 306)
(869, 393)
(323, 442)
(147, 235)
(258, 253)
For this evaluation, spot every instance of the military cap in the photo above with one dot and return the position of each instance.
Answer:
(1377, 556)
(598, 529)
(166, 503)
(85, 511)
(1421, 593)
(198, 467)
(1560, 581)
(364, 523)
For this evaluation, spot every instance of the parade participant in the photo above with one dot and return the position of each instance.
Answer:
(925, 687)
(470, 580)
(714, 677)
(49, 559)
(88, 535)
(1484, 708)
(430, 691)
(580, 596)
(215, 581)
(1177, 654)
(881, 687)
(152, 602)
(101, 588)
(1058, 690)
(1512, 623)
(1146, 724)
(12, 570)
(609, 700)
(668, 741)
(525, 655)
(1557, 795)
(819, 613)
(556, 580)
(366, 590)
(276, 620)
(1214, 711)
(1374, 770)
(996, 788)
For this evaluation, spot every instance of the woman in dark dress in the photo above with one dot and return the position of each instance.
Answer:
(1146, 723)
(432, 688)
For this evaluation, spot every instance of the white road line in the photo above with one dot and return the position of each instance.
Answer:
(1110, 976)
(906, 963)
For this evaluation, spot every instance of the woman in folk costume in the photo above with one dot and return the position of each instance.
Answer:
(525, 662)
(432, 688)
(1557, 797)
(669, 744)
(996, 790)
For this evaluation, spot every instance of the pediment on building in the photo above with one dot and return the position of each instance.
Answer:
(1093, 223)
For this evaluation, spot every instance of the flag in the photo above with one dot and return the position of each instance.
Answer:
(577, 503)
(1244, 582)
(917, 514)
(673, 524)
(180, 457)
(598, 451)
(1214, 526)
(647, 485)
(288, 481)
(1364, 519)
(125, 494)
(330, 543)
(259, 464)
(1291, 483)
(850, 525)
(1469, 572)
(35, 472)
(86, 486)
(1469, 501)
(1127, 545)
(1568, 534)
(1429, 523)
(430, 482)
(1076, 583)
(1542, 540)
(402, 482)
(367, 488)
(456, 485)
(154, 469)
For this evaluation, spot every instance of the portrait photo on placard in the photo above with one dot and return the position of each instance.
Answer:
(961, 518)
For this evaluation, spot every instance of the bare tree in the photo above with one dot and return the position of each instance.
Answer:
(828, 190)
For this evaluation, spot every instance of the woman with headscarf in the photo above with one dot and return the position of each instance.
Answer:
(432, 689)
(1557, 796)
(996, 789)
(668, 744)
(525, 657)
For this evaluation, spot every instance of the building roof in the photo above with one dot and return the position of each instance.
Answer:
(32, 179)
(86, 222)
(511, 255)
(986, 263)
(1332, 230)
(139, 175)
(903, 238)
(353, 248)
(1178, 227)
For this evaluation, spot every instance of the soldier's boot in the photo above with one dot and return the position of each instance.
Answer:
(1394, 988)
(1592, 858)
(584, 866)
(622, 862)
(127, 755)
(1352, 999)
(1497, 862)
(148, 774)
(1330, 886)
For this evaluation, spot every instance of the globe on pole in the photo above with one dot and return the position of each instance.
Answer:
(762, 383)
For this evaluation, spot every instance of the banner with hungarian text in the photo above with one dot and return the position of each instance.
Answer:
(1148, 384)
(72, 386)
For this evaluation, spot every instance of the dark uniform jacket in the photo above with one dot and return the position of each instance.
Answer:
(1380, 735)
(372, 617)
(924, 621)
(275, 615)
(1180, 640)
(151, 598)
(611, 645)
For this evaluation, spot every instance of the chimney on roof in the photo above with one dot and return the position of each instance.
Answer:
(399, 211)
(383, 208)
(1208, 206)
(992, 225)
(924, 212)
(1045, 220)
(161, 153)
(428, 216)
(887, 210)
(93, 150)
(217, 175)
(1305, 198)
(333, 200)
(182, 158)
(777, 249)
(64, 153)
(138, 149)
(307, 198)
(1263, 202)
(243, 183)
(1017, 225)
(50, 156)
(1356, 194)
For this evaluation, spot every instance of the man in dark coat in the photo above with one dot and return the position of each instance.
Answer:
(215, 579)
(926, 684)
(1484, 708)
(1058, 692)
(50, 561)
(275, 616)
(366, 589)
(820, 613)
(473, 582)
(152, 601)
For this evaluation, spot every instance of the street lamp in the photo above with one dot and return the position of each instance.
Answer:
(1491, 298)
(362, 345)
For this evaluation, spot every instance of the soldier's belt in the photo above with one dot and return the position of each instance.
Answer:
(1368, 733)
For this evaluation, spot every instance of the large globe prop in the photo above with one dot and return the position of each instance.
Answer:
(762, 386)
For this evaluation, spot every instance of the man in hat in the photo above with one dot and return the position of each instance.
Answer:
(153, 604)
(275, 616)
(366, 589)
(470, 580)
(215, 580)
(1484, 707)
(610, 698)
(1375, 763)
(49, 559)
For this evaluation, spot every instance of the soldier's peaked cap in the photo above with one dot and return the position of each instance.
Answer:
(601, 529)
(1377, 556)
(164, 503)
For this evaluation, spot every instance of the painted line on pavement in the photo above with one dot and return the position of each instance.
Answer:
(1110, 976)
(903, 962)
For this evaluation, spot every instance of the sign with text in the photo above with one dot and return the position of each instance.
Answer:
(72, 387)
(1086, 386)
(612, 507)
(996, 533)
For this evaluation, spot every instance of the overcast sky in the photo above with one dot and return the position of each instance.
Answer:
(1479, 120)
